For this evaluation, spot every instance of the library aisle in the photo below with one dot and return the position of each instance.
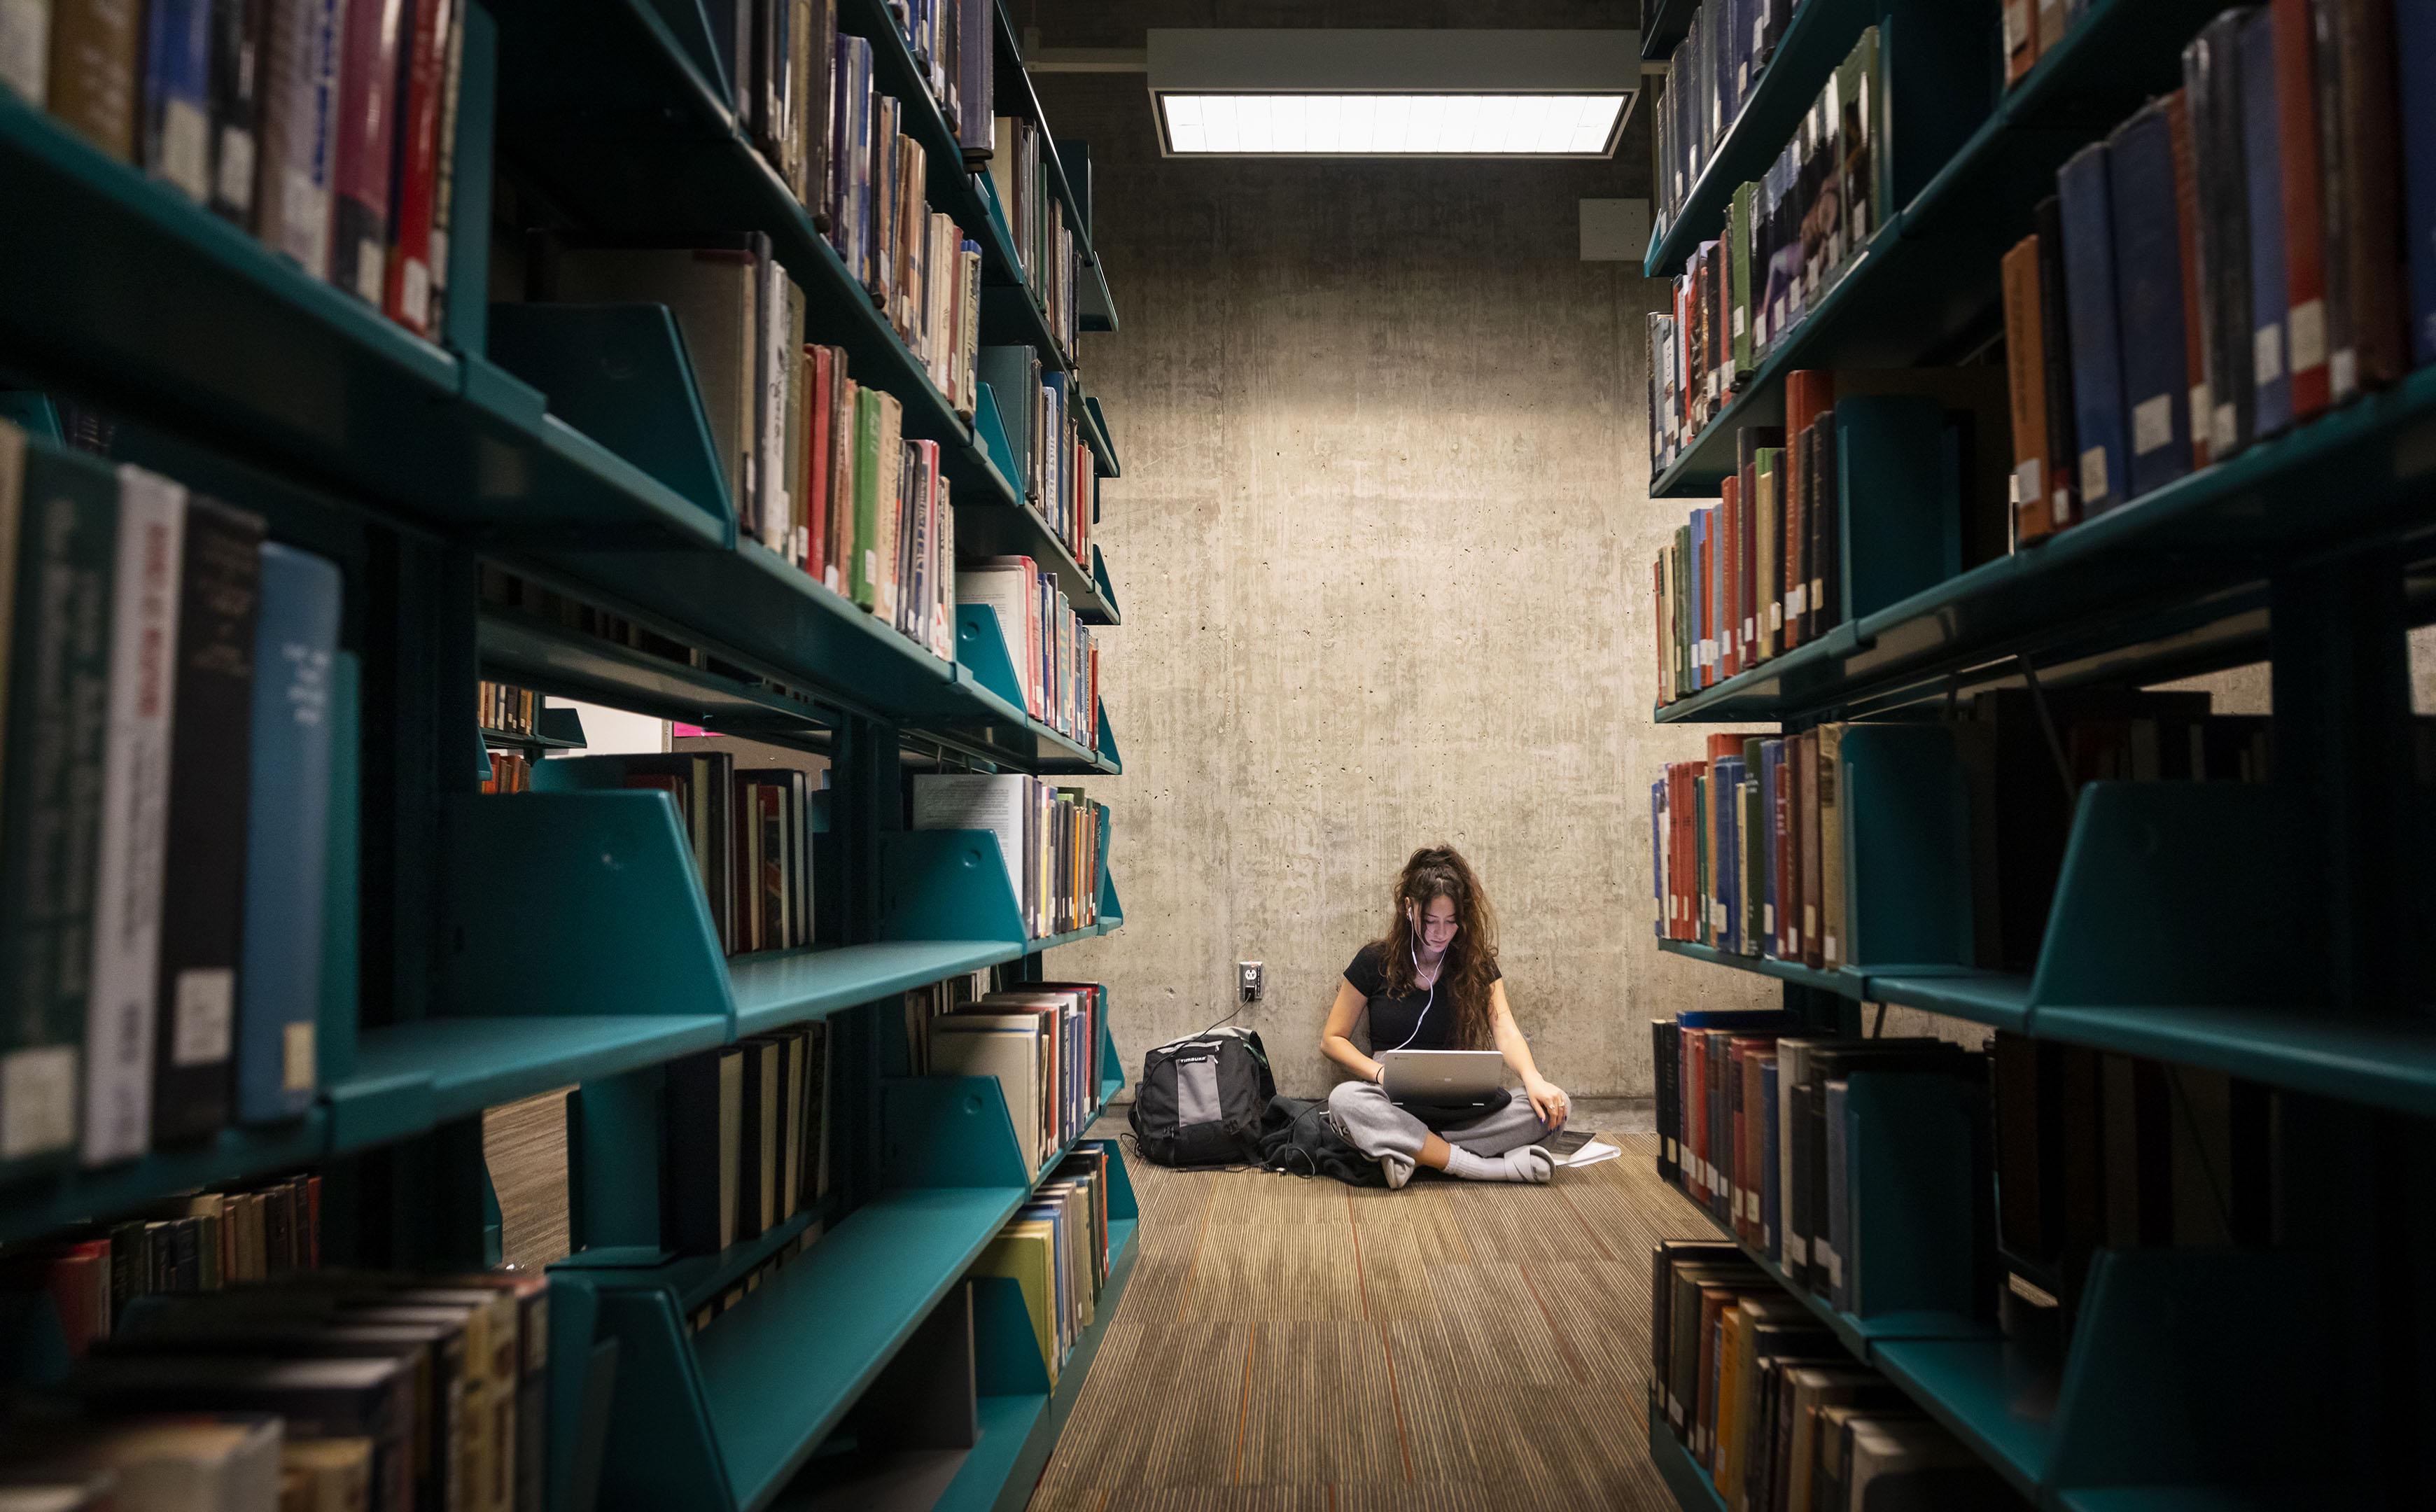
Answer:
(1301, 1345)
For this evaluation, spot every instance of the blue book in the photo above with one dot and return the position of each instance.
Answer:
(1838, 1227)
(1772, 1176)
(295, 643)
(2262, 149)
(2096, 350)
(1771, 768)
(2414, 35)
(2148, 298)
(178, 95)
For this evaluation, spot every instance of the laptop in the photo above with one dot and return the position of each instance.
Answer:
(1442, 1075)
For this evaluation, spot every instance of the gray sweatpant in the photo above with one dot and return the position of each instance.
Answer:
(1392, 1137)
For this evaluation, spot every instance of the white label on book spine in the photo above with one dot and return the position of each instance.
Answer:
(2309, 334)
(24, 61)
(1741, 320)
(186, 147)
(2017, 25)
(1775, 614)
(2152, 424)
(296, 1057)
(2093, 474)
(1797, 1250)
(2343, 371)
(2026, 482)
(1767, 916)
(201, 1016)
(37, 1099)
(369, 273)
(2267, 353)
(1835, 1267)
(236, 185)
(2225, 433)
(1797, 601)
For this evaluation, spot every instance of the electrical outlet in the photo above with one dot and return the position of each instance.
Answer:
(1248, 979)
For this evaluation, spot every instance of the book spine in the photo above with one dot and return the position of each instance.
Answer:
(366, 134)
(2149, 294)
(866, 497)
(239, 40)
(2196, 342)
(443, 191)
(96, 47)
(60, 584)
(2025, 387)
(2211, 85)
(287, 813)
(26, 48)
(407, 295)
(204, 864)
(300, 103)
(2363, 200)
(2305, 248)
(2270, 276)
(2414, 35)
(134, 817)
(177, 96)
(2096, 354)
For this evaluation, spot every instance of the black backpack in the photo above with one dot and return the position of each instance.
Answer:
(1201, 1098)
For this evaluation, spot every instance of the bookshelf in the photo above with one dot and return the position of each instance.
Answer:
(2277, 932)
(507, 946)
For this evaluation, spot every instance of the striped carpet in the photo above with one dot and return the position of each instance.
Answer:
(1291, 1346)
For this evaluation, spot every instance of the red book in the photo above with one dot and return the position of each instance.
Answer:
(1809, 392)
(2305, 245)
(1747, 605)
(819, 404)
(1730, 600)
(417, 189)
(367, 136)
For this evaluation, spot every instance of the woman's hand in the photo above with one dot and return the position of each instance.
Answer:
(1548, 1099)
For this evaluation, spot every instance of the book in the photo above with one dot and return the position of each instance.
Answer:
(177, 96)
(524, 1153)
(95, 76)
(2414, 36)
(2025, 387)
(702, 1199)
(299, 130)
(363, 171)
(201, 942)
(2063, 463)
(2261, 123)
(2360, 144)
(2087, 223)
(416, 239)
(2196, 336)
(2212, 88)
(2293, 44)
(2142, 214)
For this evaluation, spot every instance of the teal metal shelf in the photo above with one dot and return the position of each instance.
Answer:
(1983, 997)
(1818, 38)
(1929, 278)
(1987, 1393)
(2130, 588)
(2305, 1046)
(999, 528)
(784, 987)
(1016, 96)
(1095, 434)
(36, 1205)
(1844, 982)
(780, 1369)
(409, 1077)
(1690, 1485)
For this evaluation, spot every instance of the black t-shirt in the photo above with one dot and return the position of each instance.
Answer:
(1417, 1019)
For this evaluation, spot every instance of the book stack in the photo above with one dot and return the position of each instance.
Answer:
(1050, 839)
(2233, 261)
(1039, 415)
(751, 833)
(1753, 847)
(401, 1392)
(1767, 1402)
(169, 708)
(500, 709)
(2033, 28)
(1709, 78)
(2096, 1150)
(327, 130)
(207, 1241)
(746, 1139)
(925, 1003)
(1055, 1248)
(1052, 259)
(1056, 659)
(1788, 239)
(1042, 1040)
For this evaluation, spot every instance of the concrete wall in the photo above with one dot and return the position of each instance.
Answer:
(1383, 551)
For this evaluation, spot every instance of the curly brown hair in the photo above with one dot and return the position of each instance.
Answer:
(1433, 873)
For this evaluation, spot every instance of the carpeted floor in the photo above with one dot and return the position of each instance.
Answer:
(1291, 1346)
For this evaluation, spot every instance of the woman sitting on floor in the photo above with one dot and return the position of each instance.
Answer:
(1433, 983)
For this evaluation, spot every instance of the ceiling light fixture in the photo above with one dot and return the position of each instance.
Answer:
(1411, 92)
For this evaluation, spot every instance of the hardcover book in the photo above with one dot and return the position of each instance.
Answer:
(2103, 461)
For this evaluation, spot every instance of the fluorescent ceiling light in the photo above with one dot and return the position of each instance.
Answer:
(1317, 93)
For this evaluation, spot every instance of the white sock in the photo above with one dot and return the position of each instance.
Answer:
(1530, 1163)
